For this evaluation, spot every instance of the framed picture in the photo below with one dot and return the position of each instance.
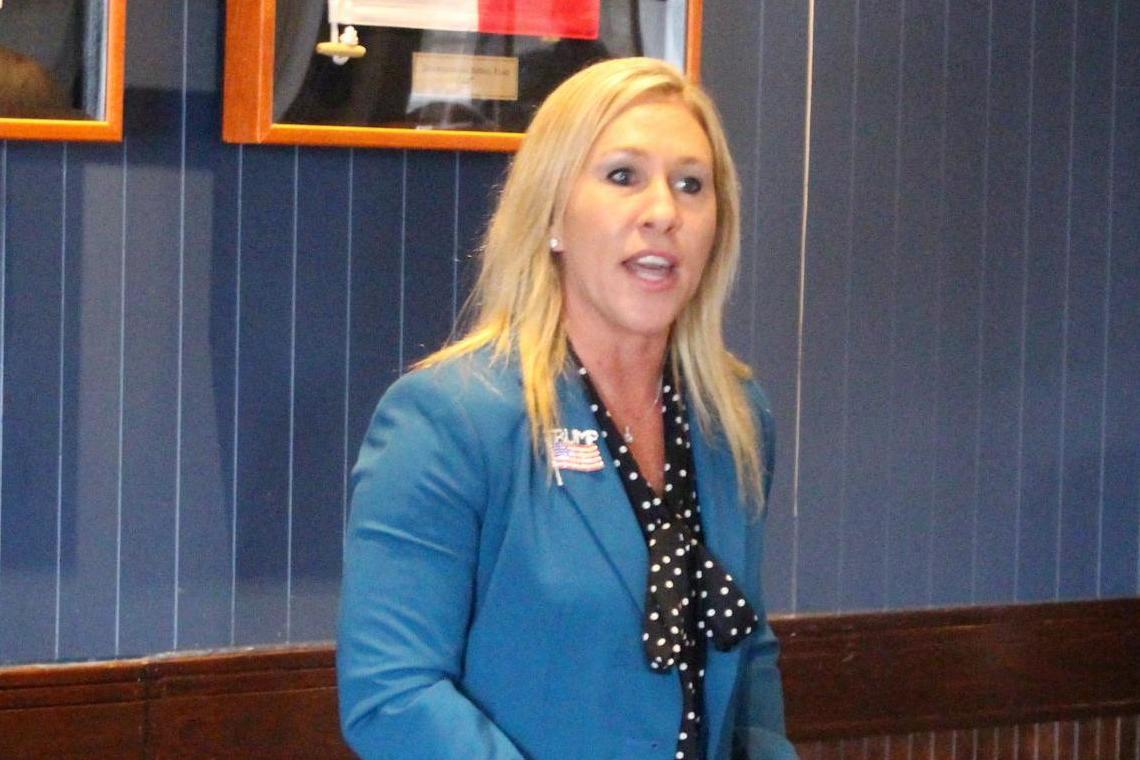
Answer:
(61, 69)
(431, 74)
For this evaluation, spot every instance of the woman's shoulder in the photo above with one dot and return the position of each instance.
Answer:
(766, 424)
(485, 386)
(757, 397)
(760, 404)
(736, 368)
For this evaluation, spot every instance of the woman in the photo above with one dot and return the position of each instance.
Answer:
(555, 545)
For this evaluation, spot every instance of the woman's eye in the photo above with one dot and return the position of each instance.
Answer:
(690, 185)
(621, 176)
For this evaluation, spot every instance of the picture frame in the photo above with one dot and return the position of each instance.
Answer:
(255, 111)
(98, 33)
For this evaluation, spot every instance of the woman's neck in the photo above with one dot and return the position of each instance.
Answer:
(627, 376)
(625, 373)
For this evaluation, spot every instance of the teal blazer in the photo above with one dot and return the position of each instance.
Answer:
(489, 612)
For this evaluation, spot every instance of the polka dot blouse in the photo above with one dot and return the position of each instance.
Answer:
(690, 599)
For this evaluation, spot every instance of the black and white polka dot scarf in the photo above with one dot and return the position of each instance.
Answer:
(690, 599)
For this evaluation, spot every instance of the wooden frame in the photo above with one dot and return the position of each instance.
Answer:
(110, 127)
(248, 94)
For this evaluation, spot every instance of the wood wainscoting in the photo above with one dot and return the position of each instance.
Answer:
(1045, 681)
(1034, 682)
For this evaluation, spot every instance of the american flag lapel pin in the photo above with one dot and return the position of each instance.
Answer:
(575, 450)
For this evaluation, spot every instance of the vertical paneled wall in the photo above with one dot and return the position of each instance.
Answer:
(194, 335)
(944, 296)
(940, 288)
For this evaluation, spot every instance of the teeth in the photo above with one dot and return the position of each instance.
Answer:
(654, 268)
(652, 261)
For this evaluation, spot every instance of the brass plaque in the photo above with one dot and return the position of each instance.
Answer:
(474, 77)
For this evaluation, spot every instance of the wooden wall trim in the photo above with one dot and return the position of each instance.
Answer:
(249, 703)
(846, 676)
(900, 672)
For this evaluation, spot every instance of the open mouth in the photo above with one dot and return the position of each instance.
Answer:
(650, 267)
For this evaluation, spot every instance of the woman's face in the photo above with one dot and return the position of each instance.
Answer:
(639, 224)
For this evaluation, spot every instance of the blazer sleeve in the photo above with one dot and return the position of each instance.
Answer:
(420, 488)
(760, 733)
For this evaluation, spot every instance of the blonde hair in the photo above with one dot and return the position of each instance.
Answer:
(516, 304)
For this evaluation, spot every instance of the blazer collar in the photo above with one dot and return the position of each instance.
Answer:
(596, 494)
(723, 519)
(722, 512)
(600, 499)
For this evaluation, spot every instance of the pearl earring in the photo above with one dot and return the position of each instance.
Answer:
(555, 244)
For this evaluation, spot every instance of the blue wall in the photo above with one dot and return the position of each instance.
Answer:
(952, 336)
(193, 333)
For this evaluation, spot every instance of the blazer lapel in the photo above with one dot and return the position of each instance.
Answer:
(723, 521)
(600, 500)
(721, 510)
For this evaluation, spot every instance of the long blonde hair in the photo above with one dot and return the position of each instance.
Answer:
(516, 304)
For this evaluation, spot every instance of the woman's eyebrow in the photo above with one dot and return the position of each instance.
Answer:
(637, 152)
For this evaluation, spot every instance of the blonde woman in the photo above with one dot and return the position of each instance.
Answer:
(555, 541)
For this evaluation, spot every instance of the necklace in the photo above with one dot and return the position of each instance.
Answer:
(627, 434)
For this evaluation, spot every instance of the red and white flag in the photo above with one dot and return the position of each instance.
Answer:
(540, 18)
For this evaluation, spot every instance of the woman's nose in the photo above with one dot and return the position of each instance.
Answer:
(661, 210)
